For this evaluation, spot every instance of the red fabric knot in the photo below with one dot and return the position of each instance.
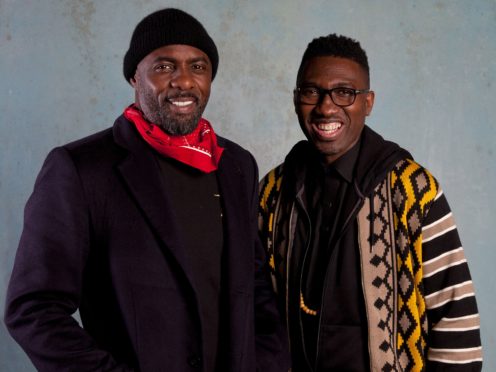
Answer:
(198, 149)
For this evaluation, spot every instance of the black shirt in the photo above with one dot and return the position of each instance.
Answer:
(197, 206)
(327, 266)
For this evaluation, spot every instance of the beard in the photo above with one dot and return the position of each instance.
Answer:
(170, 122)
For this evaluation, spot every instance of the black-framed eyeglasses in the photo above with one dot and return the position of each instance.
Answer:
(341, 96)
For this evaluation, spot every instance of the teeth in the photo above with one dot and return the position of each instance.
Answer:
(329, 127)
(182, 103)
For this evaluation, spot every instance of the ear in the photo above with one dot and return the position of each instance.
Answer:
(295, 100)
(369, 102)
(132, 81)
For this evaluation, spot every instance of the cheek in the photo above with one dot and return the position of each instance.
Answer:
(358, 116)
(205, 87)
(154, 83)
(206, 93)
(303, 113)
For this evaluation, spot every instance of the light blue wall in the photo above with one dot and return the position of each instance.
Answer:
(433, 70)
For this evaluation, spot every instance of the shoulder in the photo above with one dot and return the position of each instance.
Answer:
(238, 156)
(97, 153)
(97, 144)
(410, 172)
(232, 147)
(273, 178)
(294, 163)
(89, 157)
(411, 183)
(88, 146)
(106, 147)
(270, 187)
(92, 140)
(290, 172)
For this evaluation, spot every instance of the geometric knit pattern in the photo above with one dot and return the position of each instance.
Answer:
(411, 261)
(413, 191)
(380, 256)
(269, 191)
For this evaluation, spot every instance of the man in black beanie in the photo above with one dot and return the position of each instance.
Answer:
(149, 229)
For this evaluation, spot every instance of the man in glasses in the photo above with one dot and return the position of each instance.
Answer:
(365, 254)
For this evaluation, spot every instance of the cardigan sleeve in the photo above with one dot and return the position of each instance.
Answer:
(46, 283)
(454, 342)
(271, 343)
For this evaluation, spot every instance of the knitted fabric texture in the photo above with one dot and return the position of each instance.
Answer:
(414, 189)
(394, 254)
(167, 27)
(391, 254)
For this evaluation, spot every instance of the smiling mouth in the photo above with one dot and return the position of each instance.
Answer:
(329, 127)
(327, 130)
(181, 103)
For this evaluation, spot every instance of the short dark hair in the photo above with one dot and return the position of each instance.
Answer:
(334, 45)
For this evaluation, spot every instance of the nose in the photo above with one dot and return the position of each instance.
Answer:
(327, 107)
(182, 79)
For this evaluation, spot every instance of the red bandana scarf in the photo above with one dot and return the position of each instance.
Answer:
(197, 149)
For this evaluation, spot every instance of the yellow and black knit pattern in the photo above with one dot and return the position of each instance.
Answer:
(413, 191)
(269, 193)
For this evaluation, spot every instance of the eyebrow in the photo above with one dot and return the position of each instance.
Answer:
(174, 60)
(339, 84)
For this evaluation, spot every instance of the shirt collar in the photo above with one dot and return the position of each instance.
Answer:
(345, 164)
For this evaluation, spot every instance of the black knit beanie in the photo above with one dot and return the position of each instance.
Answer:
(166, 27)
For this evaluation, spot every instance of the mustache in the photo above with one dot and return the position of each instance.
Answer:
(183, 95)
(325, 120)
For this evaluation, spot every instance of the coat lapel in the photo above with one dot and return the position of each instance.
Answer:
(238, 261)
(234, 205)
(140, 173)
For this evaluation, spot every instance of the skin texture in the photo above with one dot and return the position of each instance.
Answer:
(172, 87)
(333, 130)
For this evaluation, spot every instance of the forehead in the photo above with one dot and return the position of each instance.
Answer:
(176, 52)
(327, 69)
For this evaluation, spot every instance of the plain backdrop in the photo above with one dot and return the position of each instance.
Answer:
(432, 68)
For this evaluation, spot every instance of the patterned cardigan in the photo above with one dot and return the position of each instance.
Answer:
(419, 298)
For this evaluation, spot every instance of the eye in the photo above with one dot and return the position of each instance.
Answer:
(199, 67)
(309, 92)
(344, 92)
(164, 67)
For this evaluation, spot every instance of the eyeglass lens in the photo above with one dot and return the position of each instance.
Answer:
(340, 96)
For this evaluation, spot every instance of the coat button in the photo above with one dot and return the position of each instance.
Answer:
(194, 361)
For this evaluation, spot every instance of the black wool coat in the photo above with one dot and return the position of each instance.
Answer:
(99, 237)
